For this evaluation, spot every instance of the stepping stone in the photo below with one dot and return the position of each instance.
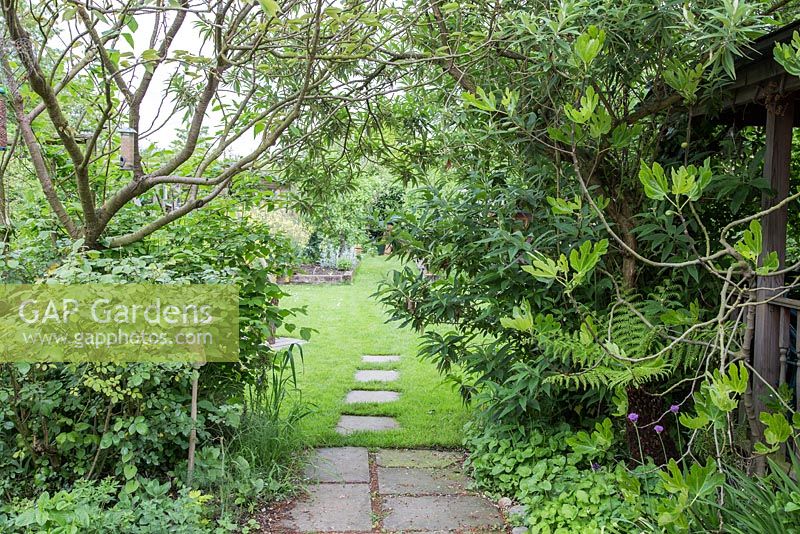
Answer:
(357, 396)
(332, 508)
(418, 458)
(447, 513)
(416, 481)
(376, 376)
(349, 424)
(380, 359)
(338, 464)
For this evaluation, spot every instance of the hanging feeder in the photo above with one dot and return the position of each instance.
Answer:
(3, 117)
(127, 142)
(83, 137)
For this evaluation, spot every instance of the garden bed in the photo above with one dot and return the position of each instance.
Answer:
(314, 274)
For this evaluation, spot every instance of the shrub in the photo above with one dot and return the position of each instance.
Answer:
(87, 508)
(567, 481)
(130, 423)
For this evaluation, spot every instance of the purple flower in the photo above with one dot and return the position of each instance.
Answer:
(633, 417)
(675, 408)
(658, 428)
(595, 466)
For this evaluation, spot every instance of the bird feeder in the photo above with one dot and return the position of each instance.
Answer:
(127, 142)
(3, 129)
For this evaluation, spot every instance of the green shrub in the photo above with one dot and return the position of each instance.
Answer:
(567, 481)
(60, 423)
(98, 507)
(344, 264)
(66, 421)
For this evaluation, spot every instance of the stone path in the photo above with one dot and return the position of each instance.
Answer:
(353, 491)
(390, 491)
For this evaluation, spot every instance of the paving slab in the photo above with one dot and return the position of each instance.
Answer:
(383, 358)
(350, 424)
(332, 508)
(338, 464)
(448, 512)
(357, 396)
(376, 376)
(417, 481)
(417, 458)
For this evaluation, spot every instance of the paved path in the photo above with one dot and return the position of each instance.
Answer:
(353, 491)
(391, 490)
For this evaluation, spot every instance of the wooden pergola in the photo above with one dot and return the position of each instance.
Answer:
(765, 95)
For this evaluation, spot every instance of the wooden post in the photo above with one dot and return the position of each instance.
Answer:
(777, 162)
(193, 431)
(193, 415)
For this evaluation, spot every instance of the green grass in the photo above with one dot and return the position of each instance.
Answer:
(350, 324)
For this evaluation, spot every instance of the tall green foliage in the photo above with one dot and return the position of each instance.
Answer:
(578, 177)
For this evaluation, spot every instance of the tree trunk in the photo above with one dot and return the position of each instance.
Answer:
(621, 213)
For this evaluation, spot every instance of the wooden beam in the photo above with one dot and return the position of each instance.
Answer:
(777, 163)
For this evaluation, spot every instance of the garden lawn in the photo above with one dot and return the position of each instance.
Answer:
(350, 324)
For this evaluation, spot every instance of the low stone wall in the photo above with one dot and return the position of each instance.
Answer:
(338, 278)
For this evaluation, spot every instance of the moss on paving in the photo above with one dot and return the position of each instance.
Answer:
(349, 325)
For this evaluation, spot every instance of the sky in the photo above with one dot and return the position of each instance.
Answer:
(157, 105)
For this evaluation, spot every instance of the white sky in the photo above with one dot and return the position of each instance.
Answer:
(155, 106)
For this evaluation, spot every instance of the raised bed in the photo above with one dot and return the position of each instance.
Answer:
(313, 274)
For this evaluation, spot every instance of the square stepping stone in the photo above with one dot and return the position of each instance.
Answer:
(376, 376)
(338, 464)
(357, 396)
(332, 508)
(447, 513)
(418, 458)
(417, 481)
(380, 358)
(350, 424)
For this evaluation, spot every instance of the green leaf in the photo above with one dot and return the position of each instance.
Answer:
(520, 320)
(148, 57)
(595, 444)
(696, 422)
(585, 258)
(777, 429)
(129, 471)
(131, 486)
(589, 103)
(654, 181)
(751, 243)
(589, 44)
(768, 264)
(561, 206)
(703, 177)
(760, 448)
(683, 181)
(542, 267)
(270, 7)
